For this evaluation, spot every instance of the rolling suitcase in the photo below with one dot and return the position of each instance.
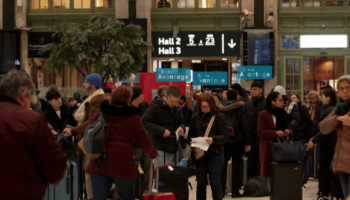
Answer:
(138, 180)
(229, 178)
(244, 169)
(67, 189)
(286, 181)
(158, 196)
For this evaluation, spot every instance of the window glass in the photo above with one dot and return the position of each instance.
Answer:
(60, 4)
(290, 41)
(40, 4)
(164, 3)
(206, 3)
(185, 3)
(103, 3)
(82, 4)
(290, 3)
(229, 3)
(334, 3)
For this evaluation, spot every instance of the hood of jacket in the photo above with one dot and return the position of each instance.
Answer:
(228, 105)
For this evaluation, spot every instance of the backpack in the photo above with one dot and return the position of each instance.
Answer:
(231, 122)
(95, 136)
(256, 187)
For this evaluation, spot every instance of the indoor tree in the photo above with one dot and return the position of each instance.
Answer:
(105, 43)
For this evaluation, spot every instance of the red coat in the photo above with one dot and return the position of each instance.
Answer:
(29, 155)
(125, 128)
(266, 132)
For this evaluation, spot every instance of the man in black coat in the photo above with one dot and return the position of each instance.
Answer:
(236, 118)
(57, 114)
(162, 119)
(253, 108)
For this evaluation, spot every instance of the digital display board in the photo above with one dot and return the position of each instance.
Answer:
(196, 44)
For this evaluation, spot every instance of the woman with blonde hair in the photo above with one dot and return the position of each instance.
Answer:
(314, 101)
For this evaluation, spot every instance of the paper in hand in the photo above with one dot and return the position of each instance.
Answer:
(200, 143)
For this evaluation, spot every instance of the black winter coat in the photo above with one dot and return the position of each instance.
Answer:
(59, 124)
(305, 129)
(320, 138)
(237, 109)
(187, 113)
(159, 117)
(253, 108)
(218, 131)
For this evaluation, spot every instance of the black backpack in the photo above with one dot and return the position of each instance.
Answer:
(232, 124)
(256, 187)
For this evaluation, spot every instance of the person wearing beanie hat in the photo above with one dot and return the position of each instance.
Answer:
(339, 120)
(280, 90)
(253, 108)
(86, 111)
(241, 91)
(94, 79)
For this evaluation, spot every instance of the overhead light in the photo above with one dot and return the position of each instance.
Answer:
(323, 41)
(180, 60)
(224, 59)
(171, 59)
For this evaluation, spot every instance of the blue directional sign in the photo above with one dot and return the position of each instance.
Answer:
(254, 72)
(210, 78)
(173, 75)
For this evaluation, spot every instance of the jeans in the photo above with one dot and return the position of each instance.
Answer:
(212, 167)
(102, 185)
(345, 183)
(169, 157)
(234, 151)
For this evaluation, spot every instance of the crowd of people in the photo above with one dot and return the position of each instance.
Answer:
(243, 123)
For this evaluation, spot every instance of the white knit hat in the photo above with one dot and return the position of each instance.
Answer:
(280, 90)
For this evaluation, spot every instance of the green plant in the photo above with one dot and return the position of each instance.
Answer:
(112, 48)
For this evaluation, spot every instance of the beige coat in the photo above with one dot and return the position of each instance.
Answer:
(341, 158)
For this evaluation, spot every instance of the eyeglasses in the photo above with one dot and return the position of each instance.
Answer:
(205, 107)
(344, 88)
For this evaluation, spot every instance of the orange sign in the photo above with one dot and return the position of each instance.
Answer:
(324, 69)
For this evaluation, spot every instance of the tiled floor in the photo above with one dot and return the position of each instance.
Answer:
(309, 194)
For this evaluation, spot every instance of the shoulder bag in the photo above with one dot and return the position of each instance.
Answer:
(200, 152)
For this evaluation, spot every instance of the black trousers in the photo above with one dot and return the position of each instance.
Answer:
(329, 183)
(253, 162)
(234, 151)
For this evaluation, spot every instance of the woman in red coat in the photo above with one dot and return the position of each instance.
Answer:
(272, 123)
(125, 128)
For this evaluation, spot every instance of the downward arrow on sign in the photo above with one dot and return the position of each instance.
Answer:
(231, 45)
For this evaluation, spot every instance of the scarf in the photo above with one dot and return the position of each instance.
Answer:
(342, 107)
(281, 118)
(290, 107)
(312, 111)
(256, 101)
(79, 115)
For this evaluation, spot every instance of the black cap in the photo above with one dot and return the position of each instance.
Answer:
(256, 84)
(237, 87)
(136, 92)
(326, 87)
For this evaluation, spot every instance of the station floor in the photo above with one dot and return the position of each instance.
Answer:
(310, 193)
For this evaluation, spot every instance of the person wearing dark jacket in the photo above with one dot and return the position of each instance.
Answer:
(185, 110)
(30, 157)
(77, 97)
(253, 108)
(304, 131)
(236, 144)
(161, 120)
(137, 99)
(329, 183)
(125, 128)
(57, 114)
(213, 159)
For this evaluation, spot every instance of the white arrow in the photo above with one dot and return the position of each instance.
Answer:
(231, 45)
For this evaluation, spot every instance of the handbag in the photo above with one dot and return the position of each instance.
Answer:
(200, 152)
(285, 151)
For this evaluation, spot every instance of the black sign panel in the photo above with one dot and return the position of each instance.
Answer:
(143, 24)
(9, 51)
(36, 42)
(196, 44)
